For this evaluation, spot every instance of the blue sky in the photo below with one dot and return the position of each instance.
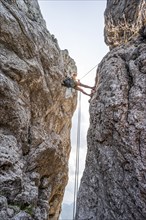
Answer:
(79, 28)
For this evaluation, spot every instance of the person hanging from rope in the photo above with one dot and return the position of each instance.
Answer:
(75, 83)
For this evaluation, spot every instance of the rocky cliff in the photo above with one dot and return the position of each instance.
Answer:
(35, 115)
(113, 186)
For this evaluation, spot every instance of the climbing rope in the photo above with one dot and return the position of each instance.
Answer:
(88, 72)
(76, 185)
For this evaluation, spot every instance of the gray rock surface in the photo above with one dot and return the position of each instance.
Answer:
(35, 115)
(123, 19)
(113, 186)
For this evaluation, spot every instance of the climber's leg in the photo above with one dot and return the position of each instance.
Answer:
(85, 86)
(81, 90)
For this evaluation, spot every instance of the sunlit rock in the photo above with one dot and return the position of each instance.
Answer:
(123, 20)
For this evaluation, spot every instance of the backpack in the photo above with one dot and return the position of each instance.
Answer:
(68, 82)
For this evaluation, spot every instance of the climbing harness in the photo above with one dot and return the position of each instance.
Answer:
(76, 186)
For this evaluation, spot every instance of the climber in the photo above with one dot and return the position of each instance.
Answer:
(75, 84)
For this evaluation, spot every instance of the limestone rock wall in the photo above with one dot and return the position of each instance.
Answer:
(35, 114)
(113, 186)
(123, 20)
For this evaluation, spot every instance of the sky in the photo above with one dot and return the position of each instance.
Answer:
(78, 26)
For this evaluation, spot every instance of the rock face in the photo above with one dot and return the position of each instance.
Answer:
(123, 20)
(113, 186)
(35, 115)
